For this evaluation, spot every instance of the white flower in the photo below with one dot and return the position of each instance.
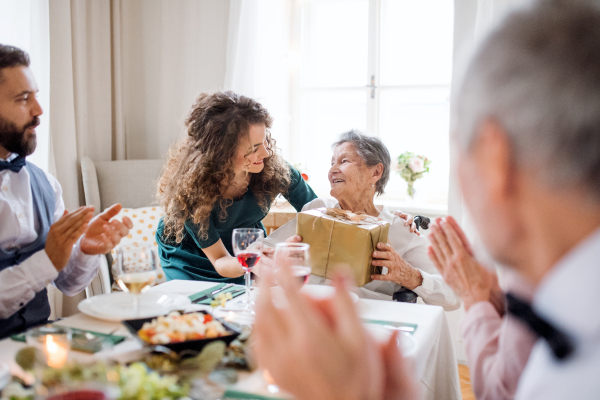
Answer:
(416, 165)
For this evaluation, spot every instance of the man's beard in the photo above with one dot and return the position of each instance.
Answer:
(14, 139)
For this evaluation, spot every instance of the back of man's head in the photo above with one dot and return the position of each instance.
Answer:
(538, 76)
(11, 56)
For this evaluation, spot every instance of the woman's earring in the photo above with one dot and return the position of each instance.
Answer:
(372, 185)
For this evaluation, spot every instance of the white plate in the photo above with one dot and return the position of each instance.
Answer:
(314, 291)
(4, 375)
(323, 292)
(118, 306)
(407, 343)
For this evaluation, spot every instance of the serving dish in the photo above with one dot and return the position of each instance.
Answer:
(134, 325)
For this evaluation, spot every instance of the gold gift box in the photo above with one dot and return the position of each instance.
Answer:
(339, 238)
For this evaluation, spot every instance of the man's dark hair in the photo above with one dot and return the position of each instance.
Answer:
(11, 56)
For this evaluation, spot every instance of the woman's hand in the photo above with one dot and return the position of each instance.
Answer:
(399, 271)
(452, 255)
(409, 221)
(328, 353)
(268, 256)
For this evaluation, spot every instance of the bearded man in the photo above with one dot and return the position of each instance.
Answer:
(40, 242)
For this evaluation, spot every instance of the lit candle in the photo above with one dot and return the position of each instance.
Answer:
(56, 352)
(230, 317)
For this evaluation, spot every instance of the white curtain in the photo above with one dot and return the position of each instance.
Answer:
(24, 24)
(123, 75)
(259, 60)
(472, 22)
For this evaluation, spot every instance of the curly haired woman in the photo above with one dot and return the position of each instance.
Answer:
(223, 175)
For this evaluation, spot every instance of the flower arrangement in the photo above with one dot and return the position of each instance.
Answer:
(412, 167)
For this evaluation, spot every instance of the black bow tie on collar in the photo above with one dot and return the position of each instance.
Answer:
(560, 343)
(14, 165)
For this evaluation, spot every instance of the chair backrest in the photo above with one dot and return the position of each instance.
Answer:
(131, 183)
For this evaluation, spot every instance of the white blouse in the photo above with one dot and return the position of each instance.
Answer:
(411, 247)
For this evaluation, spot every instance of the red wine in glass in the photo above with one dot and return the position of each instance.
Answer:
(302, 273)
(248, 259)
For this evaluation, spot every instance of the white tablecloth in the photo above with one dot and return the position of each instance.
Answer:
(434, 362)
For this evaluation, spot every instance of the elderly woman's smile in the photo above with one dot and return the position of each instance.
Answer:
(353, 182)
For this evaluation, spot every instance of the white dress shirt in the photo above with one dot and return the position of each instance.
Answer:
(413, 249)
(18, 227)
(569, 298)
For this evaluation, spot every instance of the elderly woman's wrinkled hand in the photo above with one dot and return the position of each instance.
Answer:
(327, 354)
(399, 271)
(453, 257)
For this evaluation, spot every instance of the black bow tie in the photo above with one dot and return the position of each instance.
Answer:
(14, 165)
(560, 343)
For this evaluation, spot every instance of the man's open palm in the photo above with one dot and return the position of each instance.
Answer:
(103, 234)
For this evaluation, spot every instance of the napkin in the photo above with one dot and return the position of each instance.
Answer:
(206, 291)
(392, 323)
(81, 343)
(254, 387)
(234, 290)
(237, 394)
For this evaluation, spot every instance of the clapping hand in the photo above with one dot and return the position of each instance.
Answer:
(451, 253)
(64, 233)
(328, 353)
(103, 234)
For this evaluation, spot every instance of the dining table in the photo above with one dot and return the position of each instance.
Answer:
(432, 360)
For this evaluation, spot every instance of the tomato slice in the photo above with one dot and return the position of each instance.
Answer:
(208, 318)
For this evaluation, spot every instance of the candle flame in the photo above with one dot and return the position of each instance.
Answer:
(57, 353)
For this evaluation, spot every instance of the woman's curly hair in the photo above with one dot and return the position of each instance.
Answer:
(200, 166)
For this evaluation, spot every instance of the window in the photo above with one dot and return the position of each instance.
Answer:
(381, 66)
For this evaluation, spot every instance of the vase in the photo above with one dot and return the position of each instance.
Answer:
(410, 190)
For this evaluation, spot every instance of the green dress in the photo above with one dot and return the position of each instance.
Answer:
(186, 260)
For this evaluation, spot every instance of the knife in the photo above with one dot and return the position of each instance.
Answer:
(206, 296)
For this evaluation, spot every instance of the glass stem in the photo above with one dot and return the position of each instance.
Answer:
(247, 276)
(136, 306)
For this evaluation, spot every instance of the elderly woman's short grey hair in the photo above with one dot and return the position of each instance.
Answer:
(372, 150)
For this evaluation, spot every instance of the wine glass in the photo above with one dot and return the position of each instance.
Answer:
(247, 246)
(294, 256)
(136, 274)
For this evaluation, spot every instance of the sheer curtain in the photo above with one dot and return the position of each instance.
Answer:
(24, 24)
(472, 22)
(259, 62)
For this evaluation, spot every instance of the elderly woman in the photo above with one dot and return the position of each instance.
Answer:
(360, 169)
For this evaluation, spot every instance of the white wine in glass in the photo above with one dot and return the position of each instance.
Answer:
(135, 277)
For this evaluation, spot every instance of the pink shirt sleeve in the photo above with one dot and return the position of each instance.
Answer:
(497, 350)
